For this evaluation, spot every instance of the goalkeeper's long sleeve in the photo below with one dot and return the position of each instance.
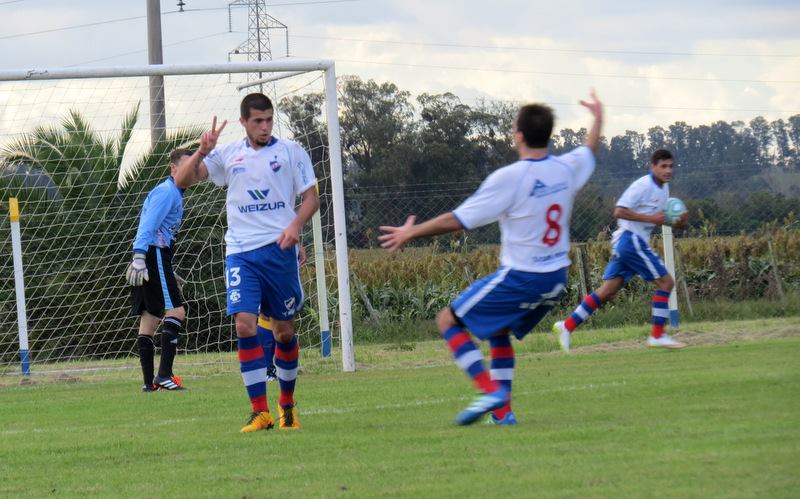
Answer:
(160, 218)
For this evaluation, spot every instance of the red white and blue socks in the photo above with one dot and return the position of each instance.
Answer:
(253, 366)
(588, 306)
(660, 312)
(501, 368)
(469, 358)
(286, 362)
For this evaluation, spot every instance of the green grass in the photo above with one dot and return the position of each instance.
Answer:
(718, 419)
(629, 310)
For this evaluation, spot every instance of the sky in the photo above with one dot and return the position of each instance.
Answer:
(652, 63)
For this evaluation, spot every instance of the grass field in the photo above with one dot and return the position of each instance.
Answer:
(718, 419)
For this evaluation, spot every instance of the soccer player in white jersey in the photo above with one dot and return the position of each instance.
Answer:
(638, 211)
(532, 199)
(264, 176)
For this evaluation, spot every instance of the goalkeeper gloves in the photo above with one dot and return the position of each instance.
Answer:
(137, 271)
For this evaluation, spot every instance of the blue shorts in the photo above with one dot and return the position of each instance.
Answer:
(509, 299)
(632, 255)
(266, 279)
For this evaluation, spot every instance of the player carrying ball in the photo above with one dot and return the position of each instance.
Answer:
(638, 211)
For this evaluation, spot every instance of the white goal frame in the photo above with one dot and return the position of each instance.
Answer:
(286, 68)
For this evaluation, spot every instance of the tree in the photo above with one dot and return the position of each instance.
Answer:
(377, 130)
(78, 243)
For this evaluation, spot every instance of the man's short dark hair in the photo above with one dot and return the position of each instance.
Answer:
(254, 101)
(660, 155)
(177, 154)
(535, 121)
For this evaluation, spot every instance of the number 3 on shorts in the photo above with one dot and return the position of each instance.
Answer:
(233, 278)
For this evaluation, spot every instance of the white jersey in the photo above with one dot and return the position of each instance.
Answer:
(263, 186)
(643, 196)
(532, 200)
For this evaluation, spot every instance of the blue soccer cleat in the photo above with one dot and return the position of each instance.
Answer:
(481, 405)
(508, 420)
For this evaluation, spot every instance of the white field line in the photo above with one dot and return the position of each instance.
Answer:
(314, 411)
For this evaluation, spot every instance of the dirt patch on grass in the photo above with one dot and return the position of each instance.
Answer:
(700, 337)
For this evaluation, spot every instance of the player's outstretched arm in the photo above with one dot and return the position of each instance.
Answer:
(596, 108)
(194, 170)
(396, 237)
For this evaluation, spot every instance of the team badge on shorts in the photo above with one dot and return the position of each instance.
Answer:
(289, 304)
(235, 296)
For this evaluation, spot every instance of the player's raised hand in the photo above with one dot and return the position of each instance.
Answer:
(594, 105)
(395, 237)
(208, 141)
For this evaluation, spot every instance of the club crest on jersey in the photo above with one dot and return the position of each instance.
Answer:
(289, 304)
(540, 189)
(275, 165)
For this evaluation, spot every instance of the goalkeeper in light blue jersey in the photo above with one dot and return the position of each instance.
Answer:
(155, 293)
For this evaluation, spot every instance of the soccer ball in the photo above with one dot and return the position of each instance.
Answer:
(673, 210)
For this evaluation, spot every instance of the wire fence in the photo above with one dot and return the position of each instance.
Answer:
(720, 203)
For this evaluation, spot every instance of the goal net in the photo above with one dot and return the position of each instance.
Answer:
(78, 151)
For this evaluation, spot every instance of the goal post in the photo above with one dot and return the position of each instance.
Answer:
(78, 184)
(669, 261)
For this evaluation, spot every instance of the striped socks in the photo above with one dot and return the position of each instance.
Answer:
(660, 312)
(286, 361)
(587, 307)
(501, 367)
(469, 358)
(254, 372)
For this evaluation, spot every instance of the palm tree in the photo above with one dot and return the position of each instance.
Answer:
(77, 234)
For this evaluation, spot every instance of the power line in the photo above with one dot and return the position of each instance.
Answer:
(132, 18)
(539, 49)
(145, 50)
(635, 106)
(65, 28)
(314, 2)
(578, 75)
(78, 26)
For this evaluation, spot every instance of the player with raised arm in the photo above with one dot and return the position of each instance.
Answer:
(532, 199)
(264, 176)
(154, 289)
(638, 211)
